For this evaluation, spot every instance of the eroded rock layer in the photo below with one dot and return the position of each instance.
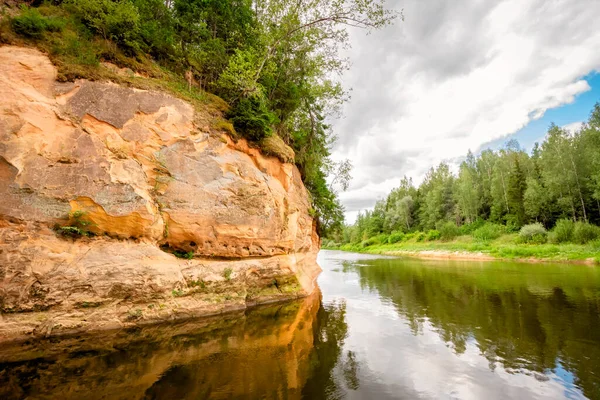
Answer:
(142, 173)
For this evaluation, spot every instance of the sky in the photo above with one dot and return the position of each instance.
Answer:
(459, 75)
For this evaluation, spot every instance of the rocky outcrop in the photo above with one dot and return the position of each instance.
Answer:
(142, 176)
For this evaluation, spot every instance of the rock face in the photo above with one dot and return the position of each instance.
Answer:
(144, 176)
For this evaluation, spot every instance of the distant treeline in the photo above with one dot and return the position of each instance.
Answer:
(560, 179)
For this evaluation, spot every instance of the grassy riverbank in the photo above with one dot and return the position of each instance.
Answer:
(466, 247)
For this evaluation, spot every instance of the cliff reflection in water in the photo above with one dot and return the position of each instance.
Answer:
(269, 352)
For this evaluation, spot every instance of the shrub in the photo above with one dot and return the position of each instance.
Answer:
(533, 233)
(227, 273)
(553, 238)
(433, 234)
(226, 126)
(467, 229)
(275, 146)
(77, 226)
(420, 236)
(584, 232)
(488, 231)
(410, 235)
(328, 244)
(32, 24)
(116, 20)
(396, 237)
(382, 238)
(369, 242)
(182, 254)
(563, 231)
(252, 118)
(448, 230)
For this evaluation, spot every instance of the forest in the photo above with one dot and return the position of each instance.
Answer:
(275, 63)
(549, 195)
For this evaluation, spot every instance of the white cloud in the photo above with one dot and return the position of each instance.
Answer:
(573, 127)
(454, 76)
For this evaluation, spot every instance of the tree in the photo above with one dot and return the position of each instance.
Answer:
(515, 192)
(436, 192)
(466, 191)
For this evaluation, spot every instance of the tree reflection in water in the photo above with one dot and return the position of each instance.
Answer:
(521, 318)
(330, 331)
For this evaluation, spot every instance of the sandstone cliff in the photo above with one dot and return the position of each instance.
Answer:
(145, 176)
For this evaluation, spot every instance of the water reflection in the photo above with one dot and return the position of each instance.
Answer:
(469, 330)
(264, 353)
(384, 328)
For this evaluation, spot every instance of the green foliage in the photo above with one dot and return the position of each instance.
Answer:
(197, 283)
(376, 240)
(488, 231)
(252, 118)
(584, 232)
(563, 231)
(275, 146)
(396, 237)
(448, 230)
(420, 236)
(31, 23)
(330, 244)
(533, 234)
(467, 229)
(277, 66)
(227, 273)
(116, 20)
(410, 236)
(77, 226)
(433, 234)
(182, 254)
(133, 315)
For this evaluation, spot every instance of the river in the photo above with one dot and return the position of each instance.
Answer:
(380, 328)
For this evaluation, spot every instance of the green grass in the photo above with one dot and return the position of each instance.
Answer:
(504, 247)
(78, 54)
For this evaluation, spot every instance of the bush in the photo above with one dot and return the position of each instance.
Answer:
(252, 118)
(467, 229)
(448, 230)
(329, 244)
(584, 232)
(420, 236)
(433, 234)
(488, 231)
(563, 231)
(396, 237)
(410, 235)
(553, 238)
(32, 24)
(382, 239)
(533, 234)
(77, 226)
(369, 242)
(116, 20)
(275, 146)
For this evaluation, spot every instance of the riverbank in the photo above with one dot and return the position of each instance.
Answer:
(466, 248)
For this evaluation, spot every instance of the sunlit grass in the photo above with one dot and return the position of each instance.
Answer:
(505, 247)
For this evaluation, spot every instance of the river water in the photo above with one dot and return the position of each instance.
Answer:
(381, 328)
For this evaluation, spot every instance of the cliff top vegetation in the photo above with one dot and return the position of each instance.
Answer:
(269, 67)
